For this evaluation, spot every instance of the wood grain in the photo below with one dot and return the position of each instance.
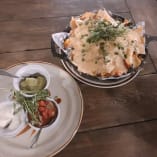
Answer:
(31, 34)
(116, 5)
(28, 9)
(137, 140)
(117, 122)
(148, 67)
(9, 59)
(127, 104)
(153, 50)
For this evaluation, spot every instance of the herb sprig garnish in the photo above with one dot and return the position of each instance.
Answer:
(103, 30)
(30, 104)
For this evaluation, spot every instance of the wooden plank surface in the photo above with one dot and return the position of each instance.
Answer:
(27, 9)
(31, 34)
(137, 140)
(146, 11)
(9, 59)
(148, 67)
(127, 104)
(116, 122)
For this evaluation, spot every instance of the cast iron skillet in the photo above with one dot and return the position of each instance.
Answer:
(57, 52)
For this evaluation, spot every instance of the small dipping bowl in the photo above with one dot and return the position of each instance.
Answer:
(52, 122)
(27, 71)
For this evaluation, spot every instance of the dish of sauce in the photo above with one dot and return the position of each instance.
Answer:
(47, 113)
(33, 83)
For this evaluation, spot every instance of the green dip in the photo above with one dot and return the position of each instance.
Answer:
(32, 83)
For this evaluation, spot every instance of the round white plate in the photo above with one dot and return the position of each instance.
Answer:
(53, 138)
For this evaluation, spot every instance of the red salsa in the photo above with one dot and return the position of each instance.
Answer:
(47, 113)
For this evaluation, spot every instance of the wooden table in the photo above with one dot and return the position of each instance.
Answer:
(120, 122)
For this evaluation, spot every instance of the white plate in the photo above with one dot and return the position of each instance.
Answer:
(56, 137)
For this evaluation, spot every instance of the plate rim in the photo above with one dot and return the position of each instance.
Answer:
(81, 98)
(99, 85)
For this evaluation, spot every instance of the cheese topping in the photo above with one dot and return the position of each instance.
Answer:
(102, 46)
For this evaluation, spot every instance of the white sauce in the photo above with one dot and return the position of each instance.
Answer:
(6, 115)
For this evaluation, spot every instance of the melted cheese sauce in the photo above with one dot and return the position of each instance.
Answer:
(121, 53)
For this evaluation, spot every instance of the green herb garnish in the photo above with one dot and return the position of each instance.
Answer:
(102, 49)
(105, 31)
(83, 50)
(116, 53)
(83, 35)
(83, 45)
(107, 60)
(125, 55)
(30, 104)
(120, 47)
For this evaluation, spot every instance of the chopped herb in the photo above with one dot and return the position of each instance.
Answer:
(83, 50)
(125, 55)
(114, 44)
(83, 59)
(102, 44)
(116, 53)
(105, 31)
(83, 35)
(103, 51)
(96, 62)
(107, 60)
(120, 47)
(83, 45)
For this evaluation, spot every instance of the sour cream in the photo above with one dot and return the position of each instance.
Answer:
(7, 115)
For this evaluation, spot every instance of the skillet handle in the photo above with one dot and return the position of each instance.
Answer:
(150, 38)
(56, 51)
